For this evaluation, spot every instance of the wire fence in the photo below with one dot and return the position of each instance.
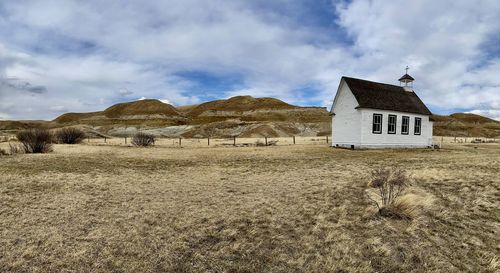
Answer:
(256, 141)
(216, 142)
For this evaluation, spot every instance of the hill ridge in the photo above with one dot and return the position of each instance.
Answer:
(239, 115)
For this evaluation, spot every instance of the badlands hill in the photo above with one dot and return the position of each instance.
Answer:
(136, 110)
(466, 125)
(243, 116)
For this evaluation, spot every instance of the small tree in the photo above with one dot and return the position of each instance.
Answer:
(143, 139)
(390, 184)
(70, 135)
(35, 140)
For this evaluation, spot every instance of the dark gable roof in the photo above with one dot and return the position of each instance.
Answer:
(385, 97)
(406, 77)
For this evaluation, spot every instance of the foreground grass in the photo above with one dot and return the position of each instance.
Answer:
(272, 209)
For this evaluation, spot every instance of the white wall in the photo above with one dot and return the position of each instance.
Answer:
(371, 140)
(347, 119)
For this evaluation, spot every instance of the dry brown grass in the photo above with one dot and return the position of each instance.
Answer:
(256, 209)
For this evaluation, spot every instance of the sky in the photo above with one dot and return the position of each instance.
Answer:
(79, 56)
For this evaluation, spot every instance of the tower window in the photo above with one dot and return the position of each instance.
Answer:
(418, 126)
(405, 125)
(391, 124)
(377, 124)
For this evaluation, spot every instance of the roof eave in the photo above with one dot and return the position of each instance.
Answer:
(411, 112)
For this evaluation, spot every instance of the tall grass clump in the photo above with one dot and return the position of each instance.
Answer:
(143, 139)
(35, 140)
(70, 135)
(390, 185)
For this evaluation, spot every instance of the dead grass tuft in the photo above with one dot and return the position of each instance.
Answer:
(408, 207)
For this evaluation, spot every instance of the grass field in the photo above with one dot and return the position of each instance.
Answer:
(297, 208)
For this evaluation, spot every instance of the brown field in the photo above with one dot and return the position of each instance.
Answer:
(289, 208)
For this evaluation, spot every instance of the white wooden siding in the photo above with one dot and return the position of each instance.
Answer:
(346, 122)
(371, 140)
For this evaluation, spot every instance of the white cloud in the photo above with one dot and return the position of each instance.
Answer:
(492, 113)
(125, 92)
(141, 46)
(58, 108)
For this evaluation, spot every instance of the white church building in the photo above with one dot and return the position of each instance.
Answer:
(368, 114)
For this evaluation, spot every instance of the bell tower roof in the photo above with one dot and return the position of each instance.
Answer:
(406, 78)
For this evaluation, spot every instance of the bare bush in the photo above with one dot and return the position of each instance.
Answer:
(35, 140)
(389, 185)
(259, 143)
(143, 139)
(3, 152)
(70, 135)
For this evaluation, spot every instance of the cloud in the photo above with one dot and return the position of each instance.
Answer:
(58, 109)
(492, 113)
(18, 84)
(293, 50)
(441, 41)
(125, 92)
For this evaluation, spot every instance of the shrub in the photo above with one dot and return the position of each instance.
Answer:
(389, 185)
(70, 135)
(143, 139)
(3, 152)
(259, 143)
(35, 140)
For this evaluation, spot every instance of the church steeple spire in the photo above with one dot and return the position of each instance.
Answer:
(406, 79)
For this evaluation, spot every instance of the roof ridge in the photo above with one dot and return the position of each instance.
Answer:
(358, 79)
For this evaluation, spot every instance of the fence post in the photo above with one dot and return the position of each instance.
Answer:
(125, 140)
(208, 141)
(88, 139)
(104, 139)
(234, 140)
(293, 139)
(180, 142)
(327, 139)
(266, 140)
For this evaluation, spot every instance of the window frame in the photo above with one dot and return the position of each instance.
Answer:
(378, 132)
(407, 132)
(419, 126)
(389, 124)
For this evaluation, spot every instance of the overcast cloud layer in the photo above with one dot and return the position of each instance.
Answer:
(59, 56)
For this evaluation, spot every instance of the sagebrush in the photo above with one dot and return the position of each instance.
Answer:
(70, 135)
(389, 185)
(143, 139)
(36, 140)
